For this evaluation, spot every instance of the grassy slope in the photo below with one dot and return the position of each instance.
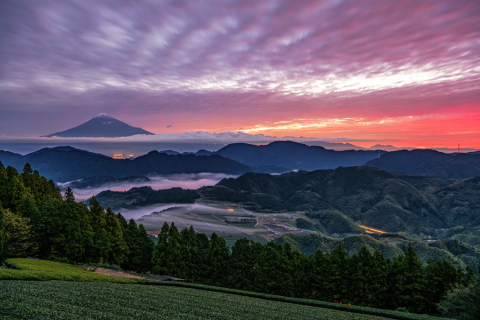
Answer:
(31, 269)
(94, 296)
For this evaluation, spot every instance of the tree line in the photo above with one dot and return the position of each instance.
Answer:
(36, 220)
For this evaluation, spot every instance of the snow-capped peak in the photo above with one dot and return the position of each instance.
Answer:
(102, 116)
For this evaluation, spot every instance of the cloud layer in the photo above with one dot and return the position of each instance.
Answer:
(294, 68)
(185, 181)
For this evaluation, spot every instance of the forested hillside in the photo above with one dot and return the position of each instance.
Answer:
(373, 197)
(144, 196)
(292, 155)
(430, 163)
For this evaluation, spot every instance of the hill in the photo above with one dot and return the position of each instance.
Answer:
(144, 196)
(9, 158)
(101, 126)
(367, 195)
(430, 163)
(390, 246)
(63, 164)
(293, 155)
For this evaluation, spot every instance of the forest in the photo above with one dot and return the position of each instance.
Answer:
(37, 220)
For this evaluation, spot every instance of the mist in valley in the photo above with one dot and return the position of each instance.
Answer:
(185, 181)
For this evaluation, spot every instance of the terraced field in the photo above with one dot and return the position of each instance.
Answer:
(89, 300)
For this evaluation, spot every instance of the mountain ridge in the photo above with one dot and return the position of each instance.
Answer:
(100, 126)
(63, 164)
(429, 163)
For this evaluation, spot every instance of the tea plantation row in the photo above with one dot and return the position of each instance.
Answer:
(94, 300)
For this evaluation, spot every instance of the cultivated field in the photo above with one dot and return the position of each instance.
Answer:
(81, 300)
(87, 295)
(209, 216)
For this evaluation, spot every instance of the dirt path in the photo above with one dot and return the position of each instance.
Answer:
(112, 272)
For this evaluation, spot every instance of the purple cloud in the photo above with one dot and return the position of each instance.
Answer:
(190, 61)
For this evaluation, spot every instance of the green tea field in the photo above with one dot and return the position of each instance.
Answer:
(93, 300)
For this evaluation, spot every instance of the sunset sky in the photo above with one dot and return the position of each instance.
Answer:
(405, 73)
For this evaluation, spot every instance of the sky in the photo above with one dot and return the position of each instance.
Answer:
(403, 73)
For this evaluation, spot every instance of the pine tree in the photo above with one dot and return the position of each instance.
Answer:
(299, 270)
(99, 251)
(189, 248)
(441, 277)
(14, 189)
(217, 260)
(368, 274)
(407, 282)
(463, 303)
(336, 280)
(275, 271)
(159, 257)
(318, 264)
(140, 246)
(2, 234)
(118, 249)
(167, 256)
(17, 237)
(203, 267)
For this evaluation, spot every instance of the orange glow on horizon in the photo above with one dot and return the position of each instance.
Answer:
(446, 128)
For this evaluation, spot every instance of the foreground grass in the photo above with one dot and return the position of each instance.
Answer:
(31, 269)
(86, 295)
(93, 300)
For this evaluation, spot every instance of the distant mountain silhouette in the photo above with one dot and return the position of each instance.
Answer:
(293, 155)
(170, 152)
(430, 163)
(9, 158)
(63, 164)
(101, 126)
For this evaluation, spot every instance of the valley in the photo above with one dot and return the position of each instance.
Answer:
(223, 218)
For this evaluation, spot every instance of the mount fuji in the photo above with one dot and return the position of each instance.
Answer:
(101, 126)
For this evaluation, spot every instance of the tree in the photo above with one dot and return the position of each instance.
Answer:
(407, 282)
(2, 235)
(336, 280)
(100, 245)
(17, 239)
(217, 260)
(298, 269)
(462, 303)
(441, 276)
(14, 189)
(317, 266)
(118, 249)
(167, 257)
(368, 274)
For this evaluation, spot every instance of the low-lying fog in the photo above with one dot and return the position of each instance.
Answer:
(185, 181)
(190, 207)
